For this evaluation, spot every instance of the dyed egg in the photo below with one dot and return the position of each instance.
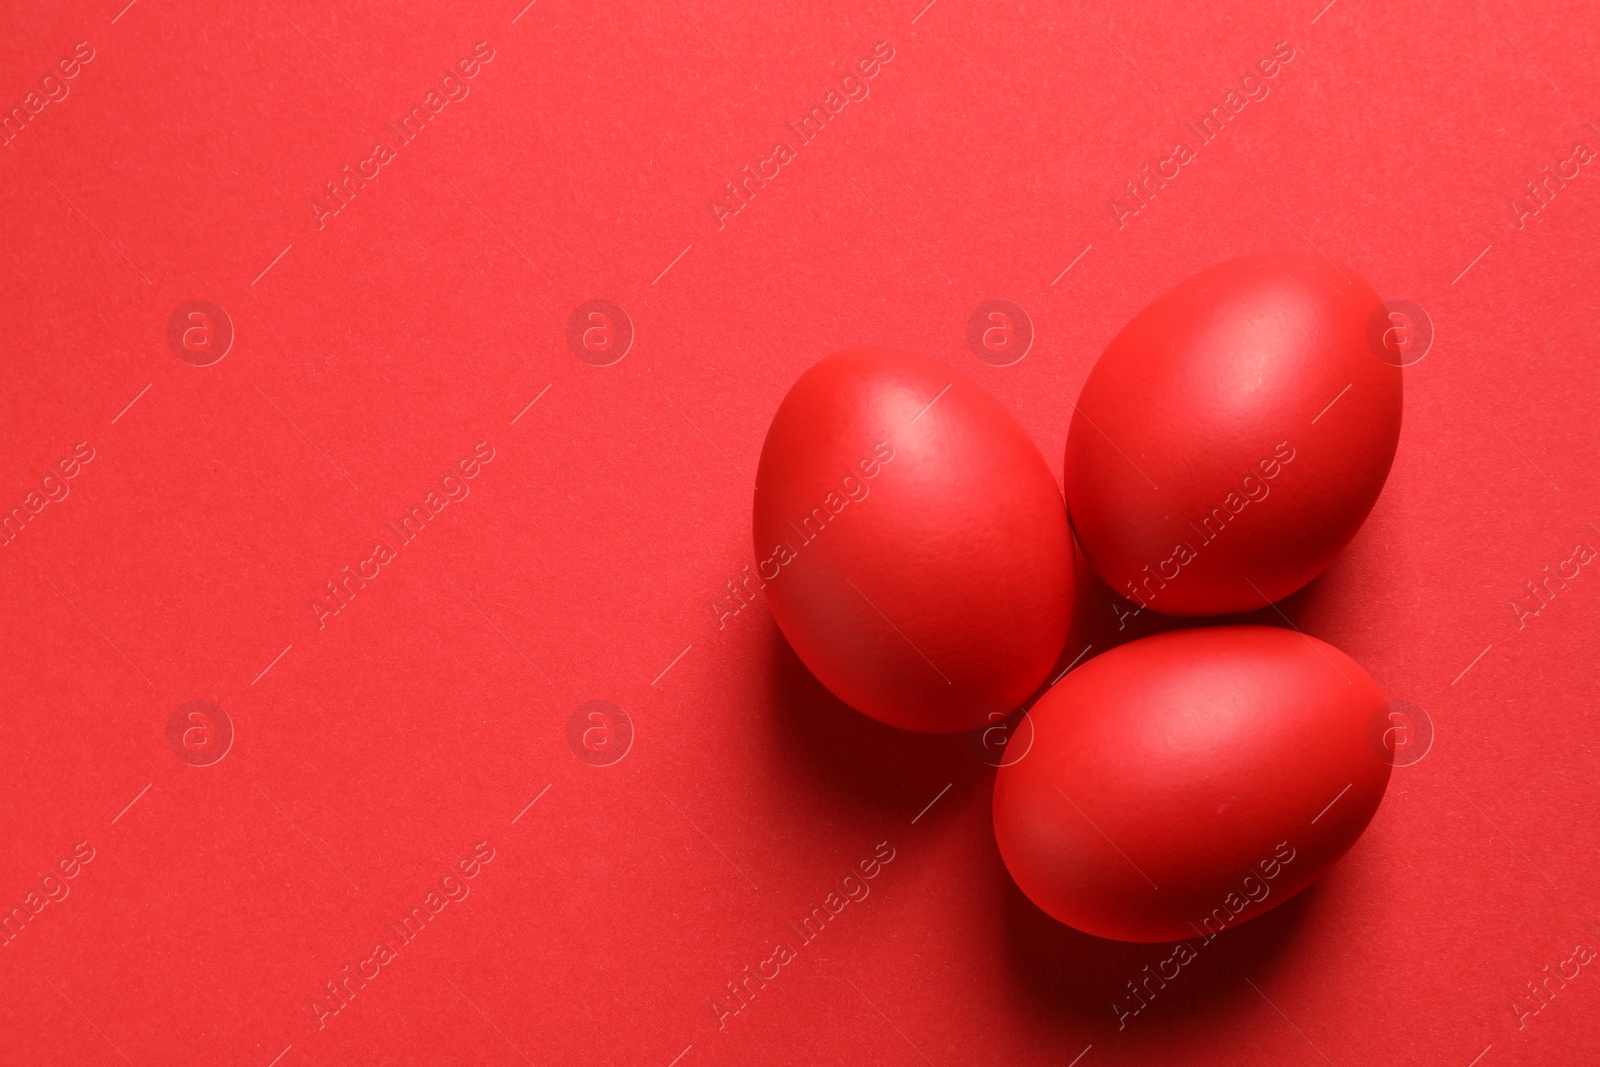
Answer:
(1233, 436)
(1184, 783)
(911, 541)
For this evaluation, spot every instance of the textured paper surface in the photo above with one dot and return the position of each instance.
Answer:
(379, 352)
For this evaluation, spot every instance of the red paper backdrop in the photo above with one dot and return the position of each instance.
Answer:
(374, 351)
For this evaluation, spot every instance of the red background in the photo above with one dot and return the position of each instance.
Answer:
(420, 720)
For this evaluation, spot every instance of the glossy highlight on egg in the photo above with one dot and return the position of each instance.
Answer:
(1233, 436)
(912, 541)
(1184, 783)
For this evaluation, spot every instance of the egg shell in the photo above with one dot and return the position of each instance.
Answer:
(1233, 436)
(912, 540)
(1184, 783)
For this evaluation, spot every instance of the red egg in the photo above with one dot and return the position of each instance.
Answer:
(913, 543)
(1184, 783)
(1233, 437)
